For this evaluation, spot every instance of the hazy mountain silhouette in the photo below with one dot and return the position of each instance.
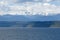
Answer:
(29, 18)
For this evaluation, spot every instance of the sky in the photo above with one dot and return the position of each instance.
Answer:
(29, 7)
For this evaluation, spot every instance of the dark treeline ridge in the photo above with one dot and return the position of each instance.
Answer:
(29, 23)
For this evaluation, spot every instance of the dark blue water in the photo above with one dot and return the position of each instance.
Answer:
(13, 33)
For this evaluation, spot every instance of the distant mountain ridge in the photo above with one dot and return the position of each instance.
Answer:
(29, 18)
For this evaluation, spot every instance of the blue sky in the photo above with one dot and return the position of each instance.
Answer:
(20, 7)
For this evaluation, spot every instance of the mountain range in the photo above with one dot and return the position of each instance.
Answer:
(30, 18)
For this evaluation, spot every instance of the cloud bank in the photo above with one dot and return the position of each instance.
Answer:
(28, 7)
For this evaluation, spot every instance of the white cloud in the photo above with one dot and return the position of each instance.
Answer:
(36, 0)
(43, 0)
(36, 8)
(3, 3)
(1, 12)
(31, 8)
(47, 0)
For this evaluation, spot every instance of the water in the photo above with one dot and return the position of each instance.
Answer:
(13, 33)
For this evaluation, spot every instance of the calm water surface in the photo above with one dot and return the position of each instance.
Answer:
(29, 33)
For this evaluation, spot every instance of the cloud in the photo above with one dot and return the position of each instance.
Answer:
(46, 0)
(3, 3)
(28, 8)
(36, 8)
